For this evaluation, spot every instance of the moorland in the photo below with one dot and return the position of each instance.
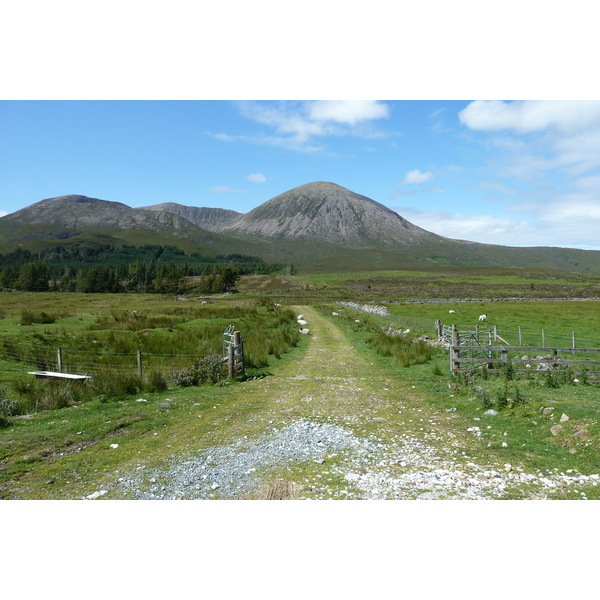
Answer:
(68, 441)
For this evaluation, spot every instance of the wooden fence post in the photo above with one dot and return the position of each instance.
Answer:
(139, 363)
(230, 359)
(520, 337)
(59, 356)
(455, 352)
(238, 353)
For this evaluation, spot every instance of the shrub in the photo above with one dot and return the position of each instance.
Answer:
(404, 350)
(155, 382)
(29, 318)
(7, 408)
(486, 401)
(518, 398)
(435, 370)
(551, 379)
(209, 369)
(508, 370)
(34, 396)
(112, 385)
(502, 398)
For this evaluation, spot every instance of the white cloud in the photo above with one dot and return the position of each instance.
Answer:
(566, 221)
(224, 137)
(549, 153)
(3, 213)
(296, 123)
(415, 177)
(476, 228)
(256, 178)
(531, 115)
(347, 111)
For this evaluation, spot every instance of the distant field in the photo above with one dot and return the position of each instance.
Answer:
(456, 283)
(558, 319)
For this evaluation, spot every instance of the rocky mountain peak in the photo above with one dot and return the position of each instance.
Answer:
(331, 213)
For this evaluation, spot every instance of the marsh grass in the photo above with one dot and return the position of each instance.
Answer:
(179, 345)
(403, 350)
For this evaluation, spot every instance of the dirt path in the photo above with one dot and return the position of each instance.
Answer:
(331, 425)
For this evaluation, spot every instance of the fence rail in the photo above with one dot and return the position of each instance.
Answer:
(498, 357)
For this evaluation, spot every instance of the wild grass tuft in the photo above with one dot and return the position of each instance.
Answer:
(29, 318)
(404, 350)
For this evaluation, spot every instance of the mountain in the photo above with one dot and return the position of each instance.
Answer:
(211, 219)
(80, 219)
(328, 212)
(76, 212)
(317, 226)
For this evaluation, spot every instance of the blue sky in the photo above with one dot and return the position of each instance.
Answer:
(514, 173)
(230, 104)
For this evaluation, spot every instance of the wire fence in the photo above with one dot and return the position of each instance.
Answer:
(89, 362)
(529, 337)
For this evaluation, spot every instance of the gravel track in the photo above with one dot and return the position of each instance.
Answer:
(331, 440)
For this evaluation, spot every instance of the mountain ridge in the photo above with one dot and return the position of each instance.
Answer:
(318, 225)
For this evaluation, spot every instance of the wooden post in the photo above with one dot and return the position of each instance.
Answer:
(454, 351)
(520, 337)
(438, 328)
(230, 359)
(495, 333)
(504, 357)
(59, 355)
(139, 363)
(237, 349)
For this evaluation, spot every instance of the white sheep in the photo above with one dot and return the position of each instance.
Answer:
(334, 314)
(300, 317)
(302, 322)
(452, 312)
(305, 331)
(483, 317)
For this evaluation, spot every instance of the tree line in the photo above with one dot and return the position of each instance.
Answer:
(149, 268)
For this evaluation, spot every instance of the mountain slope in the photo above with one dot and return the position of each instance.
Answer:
(79, 219)
(317, 226)
(330, 213)
(211, 219)
(76, 211)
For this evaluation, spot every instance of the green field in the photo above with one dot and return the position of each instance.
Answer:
(61, 435)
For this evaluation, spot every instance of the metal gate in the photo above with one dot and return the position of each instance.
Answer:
(471, 344)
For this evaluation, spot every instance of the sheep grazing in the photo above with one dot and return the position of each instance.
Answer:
(305, 331)
(452, 312)
(300, 317)
(483, 317)
(335, 314)
(302, 322)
